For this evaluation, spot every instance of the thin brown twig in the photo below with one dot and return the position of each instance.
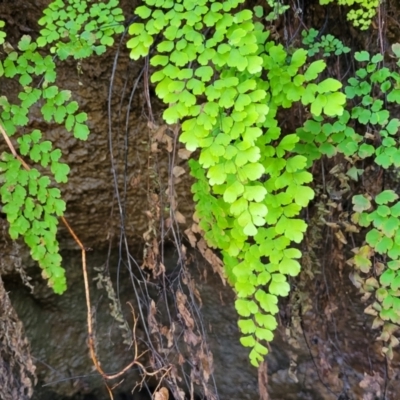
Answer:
(381, 22)
(12, 148)
(146, 88)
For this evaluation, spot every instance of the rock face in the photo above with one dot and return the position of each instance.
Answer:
(56, 326)
(118, 153)
(315, 355)
(324, 348)
(17, 370)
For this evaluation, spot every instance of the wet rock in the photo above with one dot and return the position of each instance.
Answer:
(17, 370)
(317, 363)
(56, 327)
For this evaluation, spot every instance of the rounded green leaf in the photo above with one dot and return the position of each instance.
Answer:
(395, 285)
(266, 320)
(247, 341)
(289, 266)
(247, 326)
(362, 56)
(387, 277)
(387, 196)
(329, 85)
(254, 193)
(268, 302)
(264, 334)
(233, 192)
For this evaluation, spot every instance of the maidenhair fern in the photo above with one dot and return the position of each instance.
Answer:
(30, 200)
(362, 13)
(30, 203)
(80, 28)
(374, 88)
(277, 8)
(226, 90)
(327, 44)
(371, 92)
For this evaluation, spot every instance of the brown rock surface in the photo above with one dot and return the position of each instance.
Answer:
(119, 146)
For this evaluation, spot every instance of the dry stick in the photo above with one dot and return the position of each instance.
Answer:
(87, 294)
(12, 149)
(89, 314)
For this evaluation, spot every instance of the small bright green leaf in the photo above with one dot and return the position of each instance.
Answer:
(395, 285)
(251, 171)
(295, 163)
(387, 277)
(334, 104)
(263, 278)
(244, 307)
(387, 196)
(256, 193)
(247, 326)
(329, 85)
(267, 321)
(233, 192)
(314, 69)
(244, 289)
(81, 131)
(268, 302)
(60, 171)
(247, 341)
(384, 245)
(394, 265)
(279, 288)
(361, 56)
(264, 334)
(289, 266)
(373, 237)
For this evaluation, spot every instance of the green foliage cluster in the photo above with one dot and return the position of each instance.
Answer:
(370, 94)
(30, 204)
(327, 44)
(80, 28)
(227, 89)
(372, 91)
(278, 9)
(372, 87)
(329, 138)
(383, 242)
(30, 201)
(362, 15)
